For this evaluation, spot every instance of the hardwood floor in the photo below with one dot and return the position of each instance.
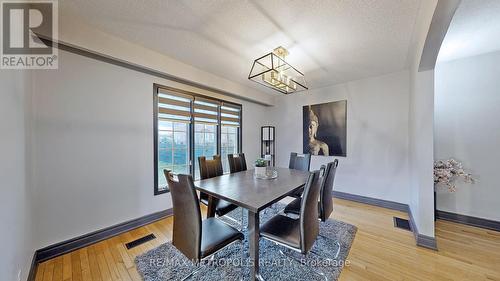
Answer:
(379, 252)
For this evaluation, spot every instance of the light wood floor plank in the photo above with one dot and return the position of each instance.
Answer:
(94, 267)
(84, 260)
(40, 271)
(117, 258)
(76, 268)
(48, 273)
(58, 269)
(379, 252)
(103, 267)
(127, 261)
(67, 275)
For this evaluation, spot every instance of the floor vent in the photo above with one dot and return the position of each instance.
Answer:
(402, 223)
(140, 241)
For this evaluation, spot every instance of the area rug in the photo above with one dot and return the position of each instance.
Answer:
(276, 262)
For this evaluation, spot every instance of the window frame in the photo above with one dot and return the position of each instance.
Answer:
(221, 147)
(204, 143)
(191, 128)
(174, 132)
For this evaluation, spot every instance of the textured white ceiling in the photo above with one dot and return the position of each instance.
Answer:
(474, 30)
(331, 41)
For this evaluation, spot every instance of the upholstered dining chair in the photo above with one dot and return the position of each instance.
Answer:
(197, 239)
(300, 162)
(325, 205)
(297, 234)
(167, 174)
(237, 162)
(209, 169)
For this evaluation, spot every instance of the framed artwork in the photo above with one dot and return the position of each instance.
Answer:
(325, 128)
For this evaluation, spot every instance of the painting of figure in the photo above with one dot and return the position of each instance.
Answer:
(325, 128)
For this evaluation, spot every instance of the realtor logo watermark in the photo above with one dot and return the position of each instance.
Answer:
(22, 23)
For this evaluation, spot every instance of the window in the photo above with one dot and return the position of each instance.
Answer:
(205, 143)
(230, 132)
(186, 126)
(173, 149)
(229, 143)
(206, 120)
(172, 135)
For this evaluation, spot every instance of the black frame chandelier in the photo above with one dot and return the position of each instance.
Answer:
(272, 71)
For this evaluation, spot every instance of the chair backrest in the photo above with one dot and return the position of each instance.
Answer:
(167, 175)
(322, 170)
(309, 224)
(210, 168)
(300, 162)
(237, 162)
(325, 197)
(187, 217)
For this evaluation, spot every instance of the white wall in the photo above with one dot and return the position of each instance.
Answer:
(377, 134)
(76, 33)
(421, 151)
(15, 212)
(93, 150)
(467, 128)
(420, 125)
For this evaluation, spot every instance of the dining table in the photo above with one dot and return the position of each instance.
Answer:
(254, 195)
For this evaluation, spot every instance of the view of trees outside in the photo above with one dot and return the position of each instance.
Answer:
(205, 144)
(229, 144)
(173, 146)
(173, 149)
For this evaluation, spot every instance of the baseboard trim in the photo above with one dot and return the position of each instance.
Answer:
(469, 220)
(371, 201)
(70, 245)
(420, 239)
(427, 242)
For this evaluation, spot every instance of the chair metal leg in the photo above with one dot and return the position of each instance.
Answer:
(292, 258)
(240, 224)
(242, 251)
(193, 273)
(243, 226)
(336, 253)
(190, 275)
(235, 221)
(210, 259)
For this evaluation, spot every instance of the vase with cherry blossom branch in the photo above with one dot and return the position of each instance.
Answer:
(447, 172)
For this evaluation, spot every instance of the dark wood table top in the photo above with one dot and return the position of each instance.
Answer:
(244, 190)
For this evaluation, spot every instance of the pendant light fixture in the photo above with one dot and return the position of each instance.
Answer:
(272, 71)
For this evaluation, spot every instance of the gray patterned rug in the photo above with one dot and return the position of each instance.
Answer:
(167, 263)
